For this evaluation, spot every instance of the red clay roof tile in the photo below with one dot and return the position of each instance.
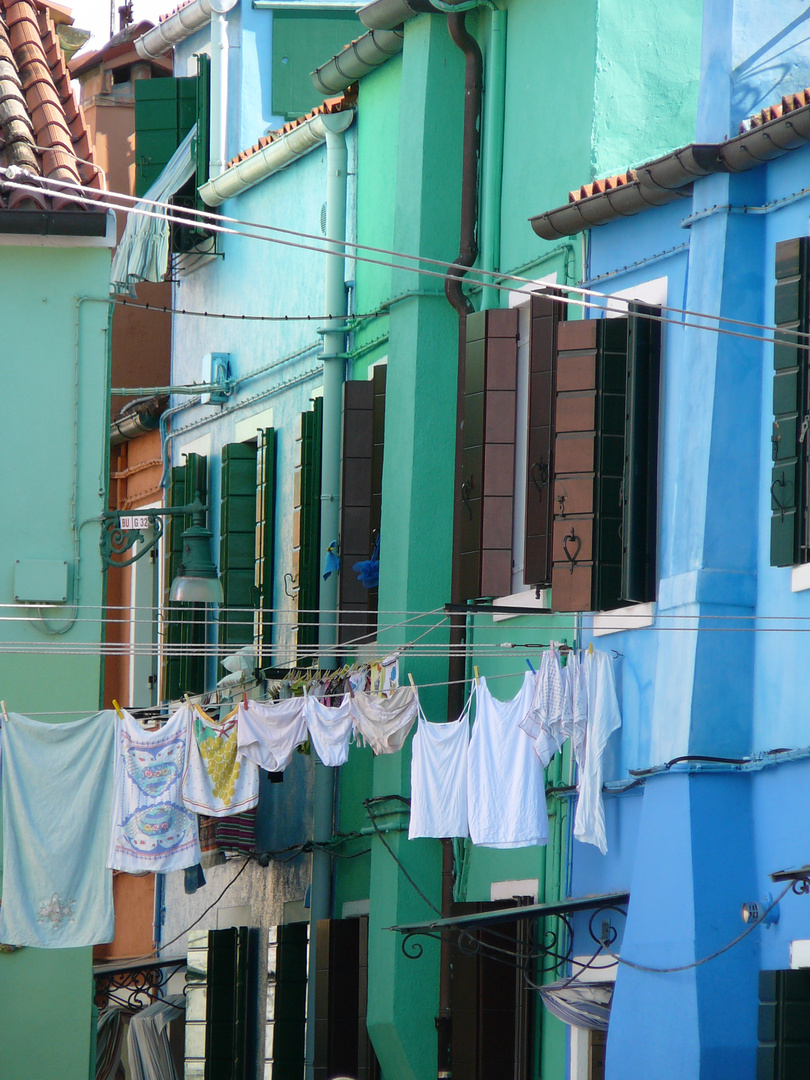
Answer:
(332, 105)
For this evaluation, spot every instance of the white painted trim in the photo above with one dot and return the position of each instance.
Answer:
(800, 578)
(526, 599)
(580, 1037)
(247, 429)
(353, 908)
(508, 890)
(652, 292)
(201, 446)
(625, 618)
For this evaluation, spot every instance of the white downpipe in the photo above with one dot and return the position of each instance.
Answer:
(218, 150)
(275, 156)
(185, 22)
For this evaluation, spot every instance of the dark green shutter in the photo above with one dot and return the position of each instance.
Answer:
(486, 481)
(265, 536)
(544, 315)
(784, 1025)
(202, 115)
(172, 670)
(287, 998)
(355, 506)
(227, 1004)
(164, 113)
(342, 1045)
(790, 405)
(237, 545)
(640, 487)
(307, 524)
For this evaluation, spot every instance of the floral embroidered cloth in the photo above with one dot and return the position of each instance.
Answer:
(151, 828)
(57, 801)
(217, 782)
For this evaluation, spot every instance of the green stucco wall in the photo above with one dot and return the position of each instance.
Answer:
(54, 351)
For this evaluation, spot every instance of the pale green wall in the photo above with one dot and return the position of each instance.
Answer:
(46, 1023)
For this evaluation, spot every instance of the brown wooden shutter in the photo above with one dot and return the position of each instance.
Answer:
(545, 315)
(589, 462)
(342, 1045)
(356, 515)
(488, 454)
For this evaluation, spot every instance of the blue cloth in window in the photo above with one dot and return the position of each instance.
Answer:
(331, 562)
(368, 572)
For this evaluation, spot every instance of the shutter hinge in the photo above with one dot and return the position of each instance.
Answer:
(805, 426)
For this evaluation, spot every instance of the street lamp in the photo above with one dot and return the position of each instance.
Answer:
(197, 580)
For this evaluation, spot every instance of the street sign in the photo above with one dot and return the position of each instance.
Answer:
(134, 521)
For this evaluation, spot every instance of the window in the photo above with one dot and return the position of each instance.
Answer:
(590, 478)
(307, 527)
(784, 1025)
(285, 1033)
(790, 534)
(361, 501)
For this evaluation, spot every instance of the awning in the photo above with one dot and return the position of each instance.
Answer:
(582, 1004)
(143, 251)
(507, 915)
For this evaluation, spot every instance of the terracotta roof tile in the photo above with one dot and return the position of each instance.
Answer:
(788, 103)
(609, 183)
(42, 129)
(331, 105)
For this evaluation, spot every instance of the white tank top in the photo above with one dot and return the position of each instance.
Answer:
(439, 777)
(505, 781)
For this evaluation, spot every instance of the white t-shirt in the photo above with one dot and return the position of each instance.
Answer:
(505, 781)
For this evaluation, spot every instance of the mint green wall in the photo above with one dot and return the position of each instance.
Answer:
(50, 341)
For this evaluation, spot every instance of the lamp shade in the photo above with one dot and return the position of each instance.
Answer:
(196, 581)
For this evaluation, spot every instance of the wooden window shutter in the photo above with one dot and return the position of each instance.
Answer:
(287, 998)
(361, 486)
(165, 110)
(237, 542)
(487, 476)
(342, 1045)
(640, 486)
(202, 116)
(184, 671)
(589, 463)
(790, 405)
(265, 510)
(545, 315)
(307, 524)
(228, 1004)
(783, 1025)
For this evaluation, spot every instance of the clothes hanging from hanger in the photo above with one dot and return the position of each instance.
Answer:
(384, 723)
(57, 891)
(439, 777)
(547, 723)
(151, 829)
(505, 782)
(330, 729)
(603, 719)
(217, 782)
(268, 732)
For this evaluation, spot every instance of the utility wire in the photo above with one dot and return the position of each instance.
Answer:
(554, 291)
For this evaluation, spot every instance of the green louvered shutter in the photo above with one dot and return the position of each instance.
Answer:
(307, 524)
(227, 1004)
(287, 1000)
(640, 485)
(195, 615)
(165, 110)
(237, 545)
(172, 673)
(265, 510)
(790, 405)
(202, 115)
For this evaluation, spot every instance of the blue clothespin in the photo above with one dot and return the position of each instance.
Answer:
(529, 666)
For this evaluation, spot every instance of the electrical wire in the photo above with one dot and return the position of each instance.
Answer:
(188, 217)
(367, 803)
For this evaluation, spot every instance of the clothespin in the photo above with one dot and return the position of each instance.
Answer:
(590, 648)
(116, 706)
(3, 707)
(244, 698)
(188, 699)
(475, 673)
(529, 666)
(410, 680)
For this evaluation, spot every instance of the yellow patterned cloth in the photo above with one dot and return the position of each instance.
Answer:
(218, 782)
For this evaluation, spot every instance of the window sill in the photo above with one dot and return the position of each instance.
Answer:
(526, 599)
(800, 578)
(620, 619)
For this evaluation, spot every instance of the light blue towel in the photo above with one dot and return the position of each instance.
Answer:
(57, 789)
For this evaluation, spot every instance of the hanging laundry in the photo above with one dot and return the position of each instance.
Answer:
(439, 777)
(57, 805)
(217, 782)
(237, 834)
(603, 719)
(269, 731)
(574, 671)
(548, 721)
(330, 729)
(505, 783)
(152, 830)
(384, 723)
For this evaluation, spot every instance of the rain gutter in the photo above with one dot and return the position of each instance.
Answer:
(139, 418)
(179, 26)
(358, 58)
(670, 177)
(388, 14)
(275, 156)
